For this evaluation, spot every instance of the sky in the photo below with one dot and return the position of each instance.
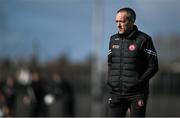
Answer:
(66, 26)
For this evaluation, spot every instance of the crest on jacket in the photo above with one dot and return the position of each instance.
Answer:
(132, 47)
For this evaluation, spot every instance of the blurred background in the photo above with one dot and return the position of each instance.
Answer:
(53, 55)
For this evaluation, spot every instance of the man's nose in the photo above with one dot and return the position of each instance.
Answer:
(118, 24)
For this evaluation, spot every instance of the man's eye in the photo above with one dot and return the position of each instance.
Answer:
(117, 21)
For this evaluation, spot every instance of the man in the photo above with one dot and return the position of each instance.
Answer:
(132, 61)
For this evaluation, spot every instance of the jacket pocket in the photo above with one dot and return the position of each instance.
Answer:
(131, 84)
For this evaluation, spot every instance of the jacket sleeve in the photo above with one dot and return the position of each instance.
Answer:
(150, 56)
(109, 62)
(109, 54)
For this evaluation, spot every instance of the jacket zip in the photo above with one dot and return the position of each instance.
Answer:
(121, 56)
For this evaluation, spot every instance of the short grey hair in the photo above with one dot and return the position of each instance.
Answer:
(131, 15)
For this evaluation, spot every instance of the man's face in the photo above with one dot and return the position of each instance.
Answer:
(122, 22)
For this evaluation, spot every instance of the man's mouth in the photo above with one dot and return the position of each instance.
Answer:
(120, 28)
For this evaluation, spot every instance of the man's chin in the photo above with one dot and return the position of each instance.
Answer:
(121, 32)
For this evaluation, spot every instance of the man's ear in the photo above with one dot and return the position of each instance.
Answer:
(131, 22)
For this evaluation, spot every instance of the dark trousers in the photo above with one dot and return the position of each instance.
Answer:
(119, 106)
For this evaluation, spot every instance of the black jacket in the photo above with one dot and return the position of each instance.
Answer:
(132, 61)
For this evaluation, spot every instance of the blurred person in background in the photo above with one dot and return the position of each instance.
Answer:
(132, 62)
(8, 90)
(37, 86)
(59, 98)
(25, 97)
